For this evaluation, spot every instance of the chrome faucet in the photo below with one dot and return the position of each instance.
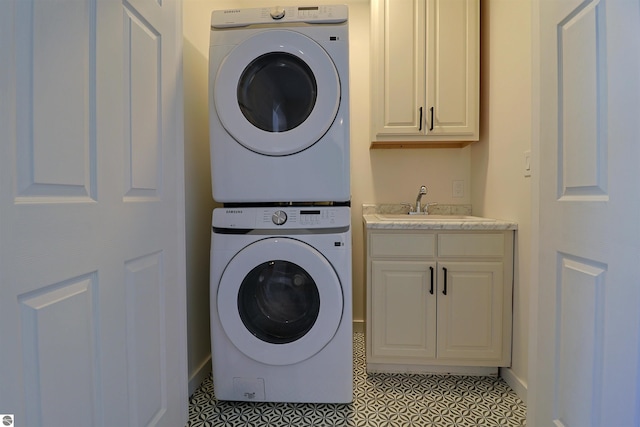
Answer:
(422, 192)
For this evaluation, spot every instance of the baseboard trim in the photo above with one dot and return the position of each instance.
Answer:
(358, 326)
(515, 382)
(199, 375)
(392, 368)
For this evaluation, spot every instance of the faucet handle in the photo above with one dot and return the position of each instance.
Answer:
(426, 207)
(407, 205)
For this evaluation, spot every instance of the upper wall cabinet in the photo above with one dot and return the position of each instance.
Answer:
(425, 72)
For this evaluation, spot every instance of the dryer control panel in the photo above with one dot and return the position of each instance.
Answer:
(303, 217)
(329, 14)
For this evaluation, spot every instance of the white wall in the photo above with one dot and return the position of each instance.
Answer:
(492, 181)
(499, 187)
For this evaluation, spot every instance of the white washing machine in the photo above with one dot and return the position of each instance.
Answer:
(279, 104)
(281, 312)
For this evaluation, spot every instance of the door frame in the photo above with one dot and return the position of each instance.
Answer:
(535, 205)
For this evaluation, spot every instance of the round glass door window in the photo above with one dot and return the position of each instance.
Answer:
(277, 92)
(278, 302)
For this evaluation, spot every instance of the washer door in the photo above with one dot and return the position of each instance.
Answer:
(277, 93)
(279, 301)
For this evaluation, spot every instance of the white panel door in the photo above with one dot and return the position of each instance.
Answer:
(586, 364)
(92, 289)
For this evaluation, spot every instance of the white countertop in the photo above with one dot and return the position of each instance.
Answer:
(435, 222)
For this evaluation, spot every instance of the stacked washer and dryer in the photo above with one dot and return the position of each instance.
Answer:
(281, 245)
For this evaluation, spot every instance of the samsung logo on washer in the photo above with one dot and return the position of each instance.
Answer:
(233, 211)
(232, 11)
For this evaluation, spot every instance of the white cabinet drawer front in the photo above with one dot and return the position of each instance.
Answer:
(403, 245)
(471, 245)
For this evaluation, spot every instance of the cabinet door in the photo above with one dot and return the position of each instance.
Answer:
(398, 67)
(403, 314)
(470, 310)
(453, 46)
(425, 72)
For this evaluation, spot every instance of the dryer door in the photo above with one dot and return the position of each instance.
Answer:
(279, 301)
(277, 93)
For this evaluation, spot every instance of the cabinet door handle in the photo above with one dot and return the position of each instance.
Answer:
(444, 286)
(420, 128)
(431, 124)
(431, 289)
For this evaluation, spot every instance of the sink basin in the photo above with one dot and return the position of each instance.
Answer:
(418, 217)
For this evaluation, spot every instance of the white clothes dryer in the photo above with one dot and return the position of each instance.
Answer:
(281, 317)
(279, 104)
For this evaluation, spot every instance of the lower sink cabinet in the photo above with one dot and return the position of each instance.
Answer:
(438, 301)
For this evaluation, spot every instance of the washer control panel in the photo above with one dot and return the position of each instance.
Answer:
(326, 14)
(311, 217)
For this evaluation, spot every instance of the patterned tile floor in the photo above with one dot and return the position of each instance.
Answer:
(378, 400)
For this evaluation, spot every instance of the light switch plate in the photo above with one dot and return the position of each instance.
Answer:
(527, 163)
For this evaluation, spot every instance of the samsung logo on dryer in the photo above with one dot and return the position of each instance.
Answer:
(232, 11)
